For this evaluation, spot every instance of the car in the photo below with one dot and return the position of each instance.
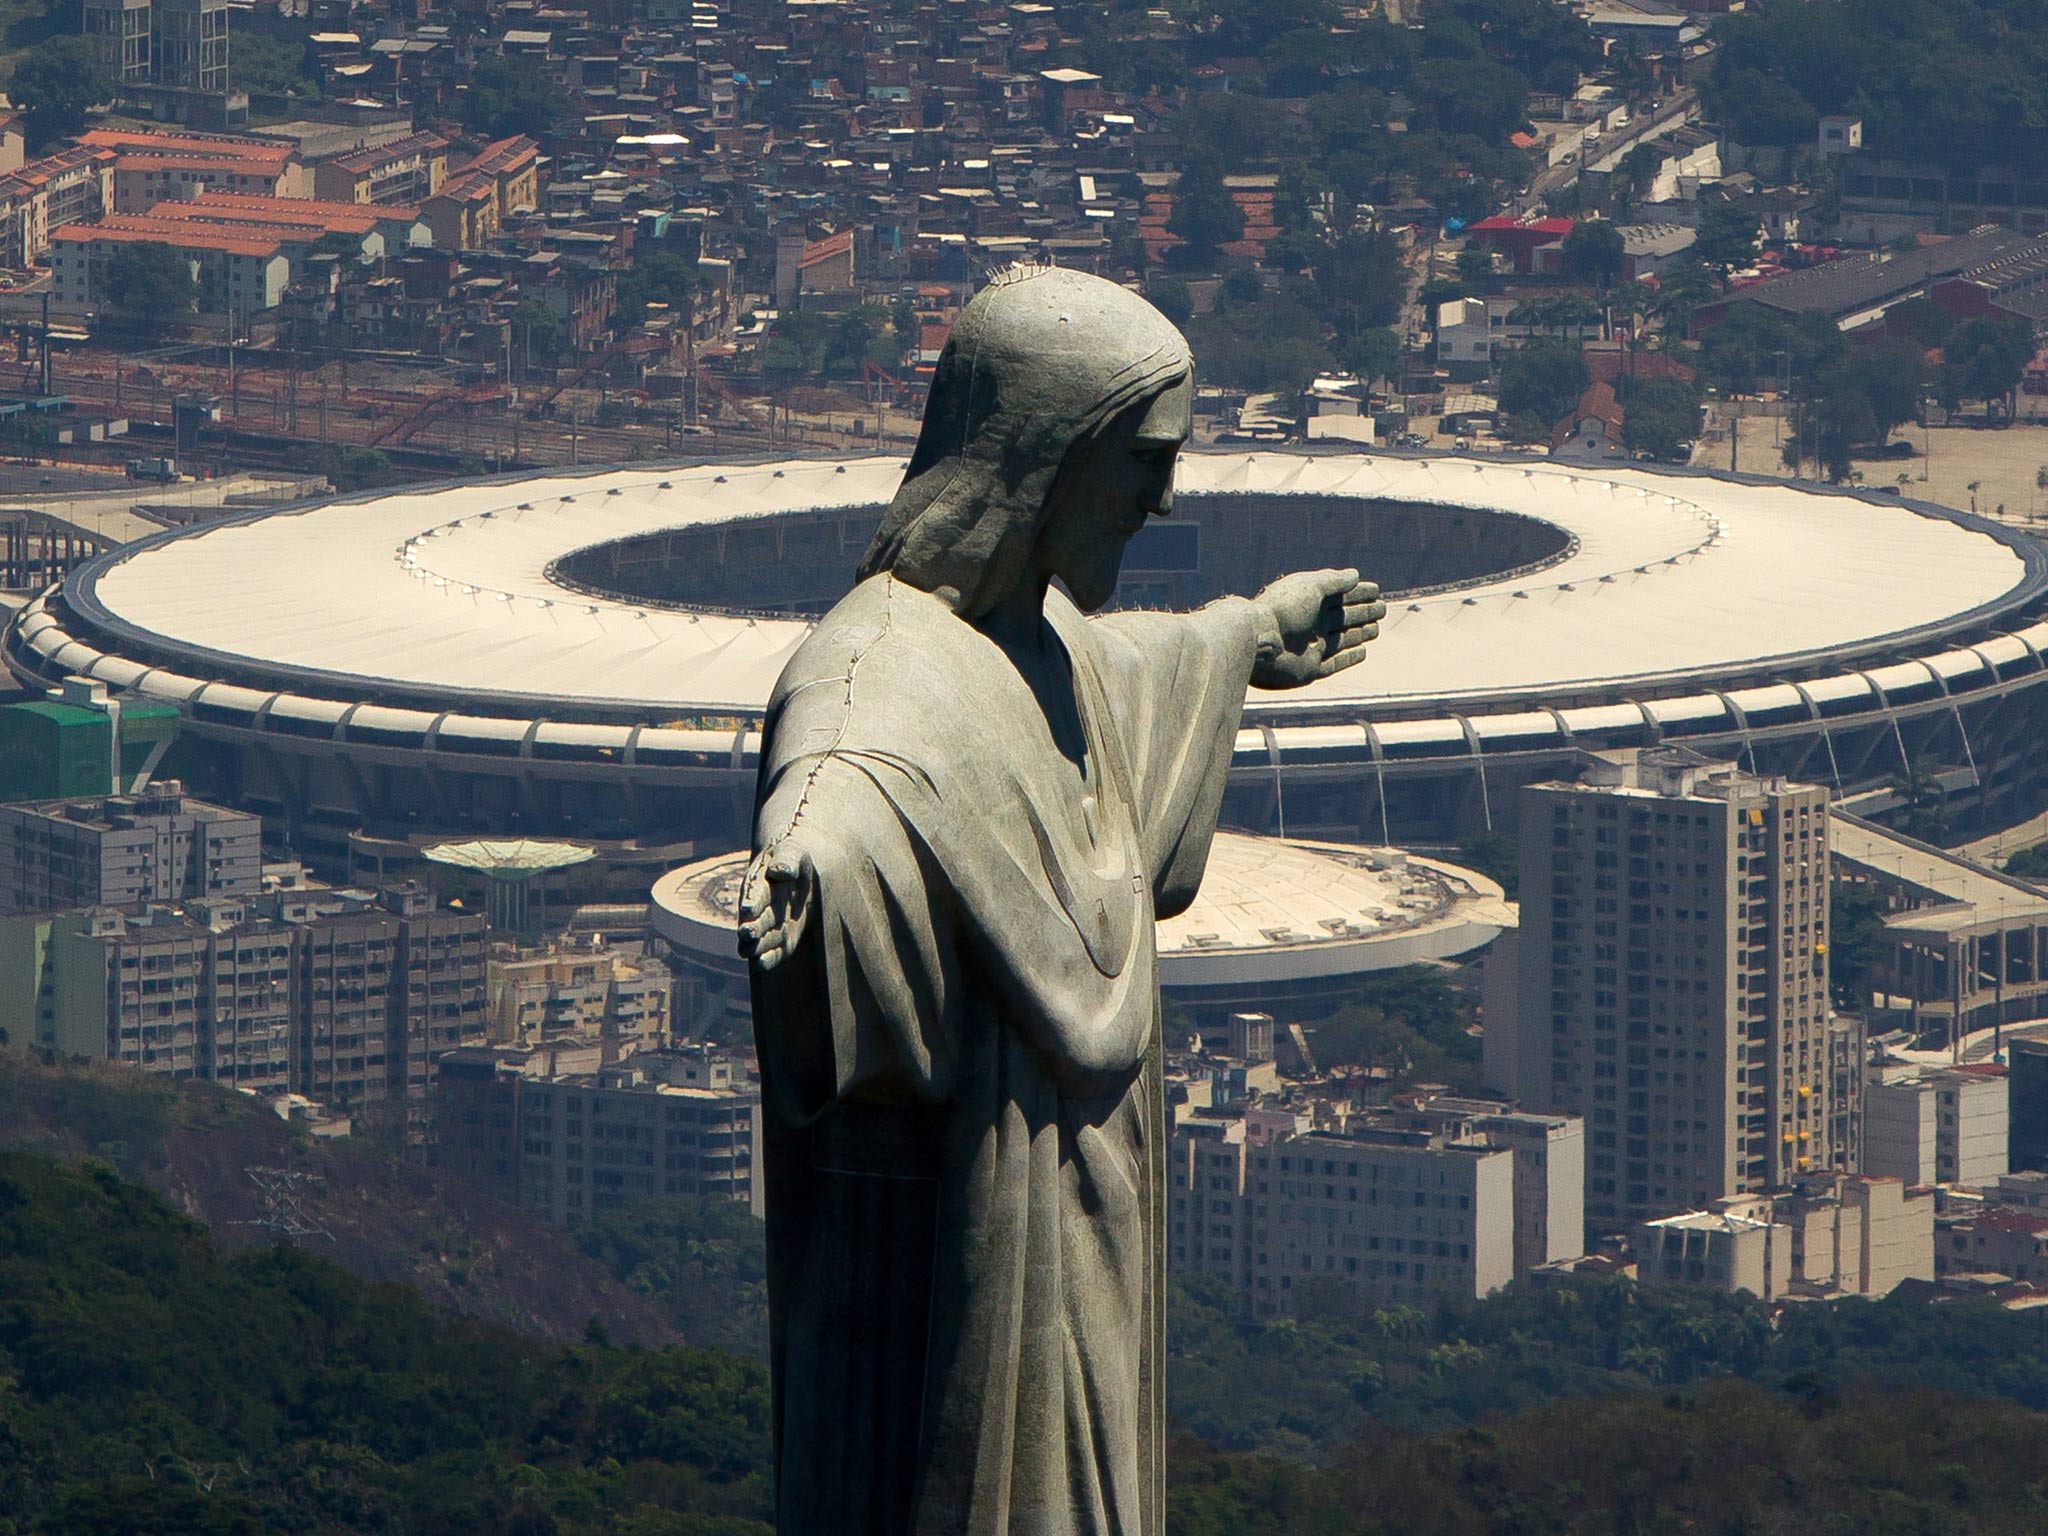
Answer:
(1570, 157)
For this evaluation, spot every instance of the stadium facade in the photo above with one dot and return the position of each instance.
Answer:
(587, 654)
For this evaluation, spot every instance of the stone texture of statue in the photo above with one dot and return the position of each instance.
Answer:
(974, 801)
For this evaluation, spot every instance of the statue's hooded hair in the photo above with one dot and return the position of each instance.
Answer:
(1038, 362)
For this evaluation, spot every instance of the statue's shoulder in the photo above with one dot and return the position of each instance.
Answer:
(883, 626)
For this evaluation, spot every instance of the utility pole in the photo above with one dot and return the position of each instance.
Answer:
(574, 411)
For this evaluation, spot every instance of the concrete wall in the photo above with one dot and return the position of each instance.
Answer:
(1899, 1131)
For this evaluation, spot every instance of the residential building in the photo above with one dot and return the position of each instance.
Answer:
(345, 997)
(238, 269)
(407, 171)
(192, 45)
(1937, 1126)
(125, 850)
(47, 194)
(679, 1124)
(1836, 1235)
(566, 989)
(119, 31)
(1673, 987)
(299, 224)
(2027, 1087)
(150, 168)
(1446, 1196)
(1993, 1241)
(474, 202)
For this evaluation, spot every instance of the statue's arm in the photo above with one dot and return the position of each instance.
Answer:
(849, 931)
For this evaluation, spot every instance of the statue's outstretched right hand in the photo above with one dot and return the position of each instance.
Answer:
(775, 903)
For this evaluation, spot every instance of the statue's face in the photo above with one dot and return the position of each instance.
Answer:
(1107, 489)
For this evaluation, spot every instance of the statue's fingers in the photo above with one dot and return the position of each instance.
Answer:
(1338, 660)
(1363, 613)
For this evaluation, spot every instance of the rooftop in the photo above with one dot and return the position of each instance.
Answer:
(446, 592)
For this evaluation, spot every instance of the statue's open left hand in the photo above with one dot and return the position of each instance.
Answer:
(1322, 621)
(775, 904)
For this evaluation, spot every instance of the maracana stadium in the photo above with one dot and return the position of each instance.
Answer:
(587, 654)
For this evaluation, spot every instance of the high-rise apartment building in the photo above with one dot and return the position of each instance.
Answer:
(119, 32)
(126, 850)
(1673, 990)
(192, 45)
(345, 998)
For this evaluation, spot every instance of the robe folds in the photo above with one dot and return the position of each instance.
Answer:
(960, 1057)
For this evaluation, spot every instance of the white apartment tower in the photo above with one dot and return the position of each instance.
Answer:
(1673, 987)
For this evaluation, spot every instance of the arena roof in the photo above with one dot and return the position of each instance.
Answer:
(442, 598)
(1269, 911)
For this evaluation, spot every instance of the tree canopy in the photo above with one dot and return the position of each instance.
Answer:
(1661, 415)
(1593, 252)
(1984, 359)
(1728, 237)
(55, 85)
(1946, 77)
(502, 99)
(1204, 215)
(1544, 379)
(148, 283)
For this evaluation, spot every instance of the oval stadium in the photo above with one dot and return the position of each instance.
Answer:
(1277, 925)
(587, 653)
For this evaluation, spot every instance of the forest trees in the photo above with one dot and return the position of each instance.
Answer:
(149, 282)
(1543, 379)
(1984, 359)
(55, 86)
(1204, 216)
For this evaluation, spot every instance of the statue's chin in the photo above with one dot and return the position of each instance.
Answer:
(1090, 599)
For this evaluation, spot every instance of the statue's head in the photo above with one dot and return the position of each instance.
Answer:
(1056, 410)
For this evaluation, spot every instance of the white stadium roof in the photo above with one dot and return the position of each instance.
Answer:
(443, 596)
(1269, 911)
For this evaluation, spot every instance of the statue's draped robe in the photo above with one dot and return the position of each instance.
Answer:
(960, 1058)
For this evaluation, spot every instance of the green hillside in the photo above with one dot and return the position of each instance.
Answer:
(149, 1383)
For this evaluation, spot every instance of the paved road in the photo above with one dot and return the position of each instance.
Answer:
(1675, 109)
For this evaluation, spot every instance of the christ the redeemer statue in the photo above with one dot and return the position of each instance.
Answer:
(974, 801)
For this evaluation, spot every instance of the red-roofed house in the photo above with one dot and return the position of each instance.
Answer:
(1612, 366)
(827, 265)
(1521, 239)
(1592, 432)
